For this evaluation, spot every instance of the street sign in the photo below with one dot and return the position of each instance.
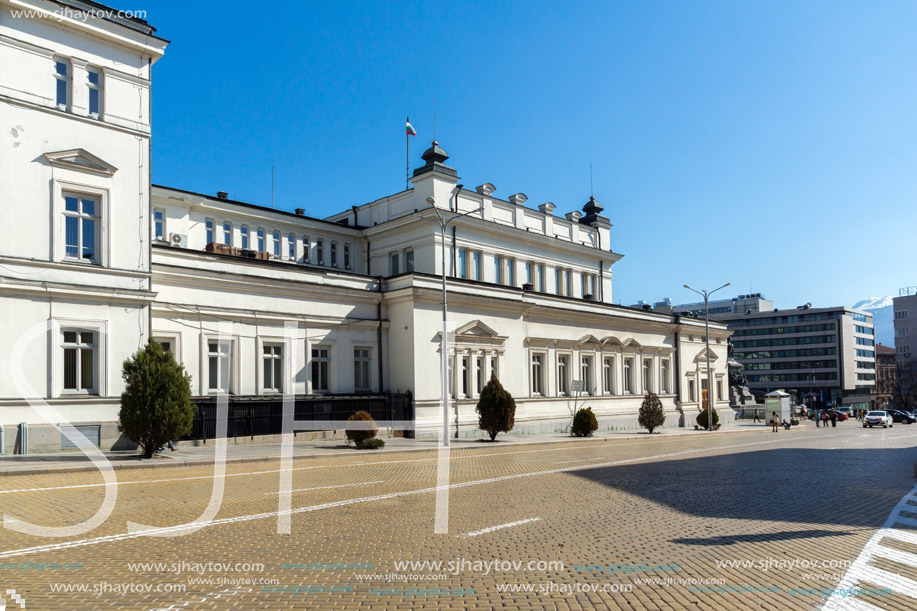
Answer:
(577, 386)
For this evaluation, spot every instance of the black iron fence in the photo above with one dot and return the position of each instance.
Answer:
(250, 416)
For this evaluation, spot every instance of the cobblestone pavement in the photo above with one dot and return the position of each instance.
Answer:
(705, 521)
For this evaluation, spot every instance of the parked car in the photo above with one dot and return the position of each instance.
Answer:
(841, 415)
(878, 418)
(844, 410)
(900, 416)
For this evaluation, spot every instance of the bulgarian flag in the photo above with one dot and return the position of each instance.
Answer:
(409, 128)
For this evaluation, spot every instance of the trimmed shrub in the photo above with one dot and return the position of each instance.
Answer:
(156, 402)
(373, 443)
(496, 409)
(652, 415)
(358, 436)
(584, 423)
(702, 419)
(794, 422)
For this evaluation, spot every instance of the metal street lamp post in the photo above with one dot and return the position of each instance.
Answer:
(444, 342)
(706, 295)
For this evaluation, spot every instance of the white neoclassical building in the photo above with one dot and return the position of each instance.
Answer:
(342, 312)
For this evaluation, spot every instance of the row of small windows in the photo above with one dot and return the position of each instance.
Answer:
(787, 341)
(902, 314)
(793, 377)
(469, 265)
(64, 82)
(866, 353)
(780, 330)
(859, 317)
(904, 349)
(779, 354)
(793, 318)
(862, 341)
(863, 330)
(866, 376)
(590, 386)
(819, 364)
(903, 332)
(866, 364)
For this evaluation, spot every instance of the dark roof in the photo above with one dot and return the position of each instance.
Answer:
(260, 207)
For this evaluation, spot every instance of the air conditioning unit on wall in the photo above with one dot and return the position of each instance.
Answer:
(178, 240)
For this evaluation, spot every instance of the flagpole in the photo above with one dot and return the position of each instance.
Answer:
(407, 158)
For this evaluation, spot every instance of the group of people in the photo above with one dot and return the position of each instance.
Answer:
(828, 415)
(775, 422)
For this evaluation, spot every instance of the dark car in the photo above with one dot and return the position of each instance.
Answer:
(902, 417)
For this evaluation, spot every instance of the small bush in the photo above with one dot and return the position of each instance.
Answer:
(794, 422)
(652, 415)
(373, 443)
(358, 436)
(702, 419)
(496, 409)
(584, 423)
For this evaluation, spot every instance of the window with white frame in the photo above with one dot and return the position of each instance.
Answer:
(476, 266)
(209, 231)
(81, 227)
(334, 254)
(719, 390)
(321, 364)
(219, 357)
(306, 246)
(692, 391)
(494, 367)
(539, 284)
(608, 374)
(291, 247)
(409, 261)
(277, 241)
(466, 376)
(159, 224)
(394, 264)
(479, 375)
(558, 281)
(244, 232)
(648, 375)
(96, 88)
(510, 275)
(227, 233)
(586, 372)
(563, 375)
(361, 368)
(166, 343)
(538, 374)
(568, 283)
(664, 376)
(462, 271)
(272, 366)
(530, 273)
(63, 77)
(628, 376)
(498, 269)
(320, 251)
(347, 262)
(262, 247)
(81, 363)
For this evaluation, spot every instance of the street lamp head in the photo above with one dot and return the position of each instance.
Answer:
(687, 287)
(459, 186)
(431, 201)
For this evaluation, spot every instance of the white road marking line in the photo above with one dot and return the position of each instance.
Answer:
(491, 529)
(564, 462)
(862, 571)
(329, 487)
(366, 499)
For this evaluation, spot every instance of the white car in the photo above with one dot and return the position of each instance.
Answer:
(877, 418)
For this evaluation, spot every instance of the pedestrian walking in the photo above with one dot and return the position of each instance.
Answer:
(833, 417)
(775, 422)
(816, 416)
(824, 419)
(757, 418)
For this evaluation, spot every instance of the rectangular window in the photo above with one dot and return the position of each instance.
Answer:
(261, 245)
(664, 377)
(592, 285)
(227, 233)
(719, 390)
(243, 230)
(558, 282)
(95, 92)
(80, 362)
(586, 372)
(479, 375)
(291, 247)
(305, 248)
(498, 270)
(510, 272)
(219, 356)
(538, 374)
(320, 251)
(608, 373)
(321, 361)
(494, 369)
(692, 392)
(568, 283)
(462, 263)
(167, 344)
(334, 254)
(159, 224)
(409, 260)
(81, 223)
(276, 236)
(539, 286)
(628, 376)
(563, 375)
(347, 264)
(394, 264)
(210, 230)
(529, 273)
(476, 266)
(648, 375)
(361, 364)
(62, 79)
(273, 367)
(466, 376)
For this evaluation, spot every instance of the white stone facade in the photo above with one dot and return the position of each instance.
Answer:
(95, 260)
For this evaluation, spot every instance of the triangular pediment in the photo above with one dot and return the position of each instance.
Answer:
(476, 327)
(80, 160)
(702, 356)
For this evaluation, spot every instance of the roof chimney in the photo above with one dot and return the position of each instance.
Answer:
(301, 212)
(222, 195)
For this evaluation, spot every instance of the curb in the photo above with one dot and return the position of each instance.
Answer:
(191, 462)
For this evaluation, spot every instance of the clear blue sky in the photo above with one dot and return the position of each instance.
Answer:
(770, 144)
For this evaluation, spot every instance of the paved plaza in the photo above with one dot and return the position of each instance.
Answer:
(751, 520)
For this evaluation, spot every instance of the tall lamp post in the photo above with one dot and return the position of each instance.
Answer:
(706, 295)
(444, 343)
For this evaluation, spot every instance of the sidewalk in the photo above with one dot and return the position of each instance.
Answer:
(190, 455)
